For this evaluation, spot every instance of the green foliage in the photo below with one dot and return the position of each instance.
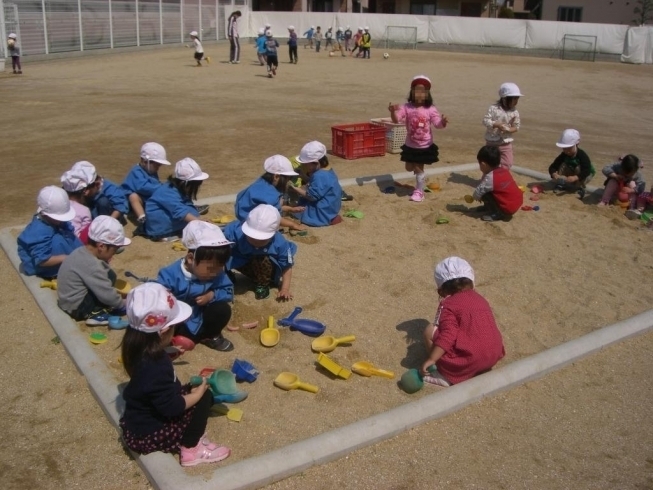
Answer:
(507, 13)
(644, 12)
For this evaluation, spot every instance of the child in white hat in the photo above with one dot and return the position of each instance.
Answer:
(173, 417)
(419, 114)
(309, 37)
(82, 184)
(502, 121)
(366, 43)
(292, 44)
(572, 169)
(464, 340)
(322, 197)
(357, 43)
(261, 253)
(14, 51)
(49, 238)
(270, 188)
(143, 179)
(85, 286)
(109, 200)
(199, 279)
(171, 207)
(199, 50)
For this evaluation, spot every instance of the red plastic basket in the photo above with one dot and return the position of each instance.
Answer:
(351, 141)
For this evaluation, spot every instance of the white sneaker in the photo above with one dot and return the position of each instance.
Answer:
(633, 214)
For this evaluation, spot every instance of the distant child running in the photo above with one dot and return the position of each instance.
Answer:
(143, 179)
(309, 37)
(623, 177)
(85, 283)
(348, 36)
(318, 39)
(357, 42)
(366, 43)
(171, 207)
(572, 169)
(49, 238)
(271, 46)
(339, 44)
(502, 121)
(81, 183)
(199, 50)
(322, 197)
(261, 253)
(464, 340)
(270, 188)
(14, 51)
(292, 44)
(199, 279)
(260, 46)
(419, 114)
(328, 36)
(498, 191)
(161, 414)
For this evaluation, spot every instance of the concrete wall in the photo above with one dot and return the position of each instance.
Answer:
(596, 11)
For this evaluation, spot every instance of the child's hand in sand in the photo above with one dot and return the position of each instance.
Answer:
(296, 209)
(284, 295)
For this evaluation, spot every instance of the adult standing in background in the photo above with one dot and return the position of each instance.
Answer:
(232, 33)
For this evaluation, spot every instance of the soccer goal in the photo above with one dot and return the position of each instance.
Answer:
(399, 37)
(576, 47)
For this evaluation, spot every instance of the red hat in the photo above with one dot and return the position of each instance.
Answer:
(421, 80)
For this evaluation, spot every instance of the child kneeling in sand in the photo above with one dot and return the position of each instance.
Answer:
(499, 192)
(464, 339)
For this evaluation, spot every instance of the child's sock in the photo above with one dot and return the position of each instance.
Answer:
(421, 180)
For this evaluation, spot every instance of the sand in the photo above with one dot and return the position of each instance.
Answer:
(550, 276)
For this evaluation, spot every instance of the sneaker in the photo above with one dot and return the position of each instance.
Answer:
(204, 452)
(168, 239)
(202, 209)
(417, 196)
(602, 204)
(208, 60)
(491, 217)
(235, 62)
(633, 214)
(118, 311)
(261, 292)
(98, 319)
(274, 71)
(346, 197)
(581, 193)
(218, 343)
(269, 75)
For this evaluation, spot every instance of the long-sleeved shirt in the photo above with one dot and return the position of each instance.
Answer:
(469, 336)
(324, 199)
(152, 396)
(508, 117)
(260, 44)
(640, 184)
(166, 210)
(198, 45)
(13, 50)
(39, 241)
(80, 273)
(232, 27)
(503, 187)
(259, 192)
(292, 39)
(186, 287)
(116, 196)
(418, 124)
(82, 217)
(271, 46)
(141, 182)
(309, 34)
(580, 163)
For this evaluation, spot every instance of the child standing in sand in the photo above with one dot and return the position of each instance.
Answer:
(464, 340)
(502, 121)
(419, 113)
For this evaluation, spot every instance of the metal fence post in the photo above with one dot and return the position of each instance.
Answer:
(217, 22)
(138, 27)
(161, 20)
(199, 7)
(181, 20)
(45, 27)
(110, 24)
(81, 31)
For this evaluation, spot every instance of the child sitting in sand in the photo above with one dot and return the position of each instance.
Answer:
(623, 177)
(572, 169)
(464, 340)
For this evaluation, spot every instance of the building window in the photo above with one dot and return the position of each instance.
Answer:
(570, 14)
(422, 8)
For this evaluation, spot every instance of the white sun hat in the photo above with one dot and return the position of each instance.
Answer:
(193, 33)
(108, 230)
(278, 164)
(311, 152)
(54, 203)
(188, 169)
(452, 268)
(151, 308)
(509, 90)
(79, 177)
(154, 152)
(199, 233)
(568, 138)
(262, 222)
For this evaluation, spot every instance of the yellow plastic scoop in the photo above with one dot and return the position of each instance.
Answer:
(332, 366)
(270, 334)
(290, 381)
(328, 343)
(179, 247)
(234, 414)
(365, 368)
(224, 219)
(49, 284)
(122, 286)
(469, 199)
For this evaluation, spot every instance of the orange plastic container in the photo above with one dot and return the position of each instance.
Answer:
(359, 140)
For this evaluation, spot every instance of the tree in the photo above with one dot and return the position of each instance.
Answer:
(644, 12)
(507, 13)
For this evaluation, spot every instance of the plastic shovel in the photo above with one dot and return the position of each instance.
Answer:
(233, 414)
(332, 366)
(289, 381)
(312, 328)
(52, 284)
(365, 368)
(270, 334)
(328, 343)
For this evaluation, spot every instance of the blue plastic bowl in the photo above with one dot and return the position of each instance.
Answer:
(239, 396)
(244, 371)
(117, 323)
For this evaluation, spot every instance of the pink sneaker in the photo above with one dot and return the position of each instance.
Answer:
(417, 196)
(204, 452)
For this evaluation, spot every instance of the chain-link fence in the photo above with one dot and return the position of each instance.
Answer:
(55, 26)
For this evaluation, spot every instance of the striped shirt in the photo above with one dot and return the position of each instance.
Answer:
(232, 29)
